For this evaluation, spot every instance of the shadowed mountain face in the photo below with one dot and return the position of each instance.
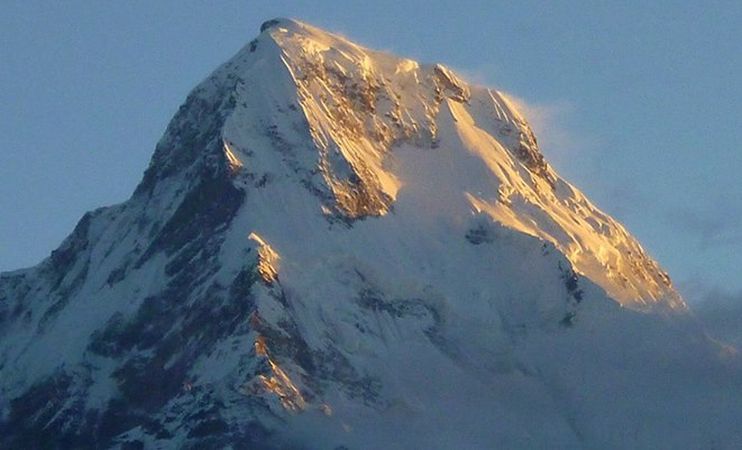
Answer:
(335, 247)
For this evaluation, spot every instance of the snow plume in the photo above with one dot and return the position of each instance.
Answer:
(559, 141)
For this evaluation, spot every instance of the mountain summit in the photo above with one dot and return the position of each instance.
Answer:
(334, 247)
(368, 132)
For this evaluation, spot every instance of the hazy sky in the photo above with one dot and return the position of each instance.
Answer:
(638, 105)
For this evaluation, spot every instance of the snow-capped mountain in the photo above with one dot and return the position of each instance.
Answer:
(335, 247)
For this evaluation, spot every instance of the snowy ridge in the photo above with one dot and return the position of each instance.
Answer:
(360, 105)
(336, 247)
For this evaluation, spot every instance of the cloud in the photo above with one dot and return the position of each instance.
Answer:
(719, 311)
(551, 121)
(710, 226)
(559, 139)
(478, 76)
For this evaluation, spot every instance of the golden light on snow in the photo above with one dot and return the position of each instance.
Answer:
(268, 259)
(278, 381)
(234, 162)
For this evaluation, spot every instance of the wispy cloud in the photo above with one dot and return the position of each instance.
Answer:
(709, 226)
(481, 75)
(719, 310)
(551, 121)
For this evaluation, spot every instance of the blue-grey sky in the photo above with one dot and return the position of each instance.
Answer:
(637, 104)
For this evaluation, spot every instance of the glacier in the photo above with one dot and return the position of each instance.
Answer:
(335, 247)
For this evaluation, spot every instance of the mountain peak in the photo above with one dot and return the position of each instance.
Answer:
(322, 226)
(281, 22)
(289, 26)
(354, 127)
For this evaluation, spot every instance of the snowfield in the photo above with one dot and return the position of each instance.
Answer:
(335, 247)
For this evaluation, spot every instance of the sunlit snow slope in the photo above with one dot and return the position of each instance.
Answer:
(378, 122)
(335, 247)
